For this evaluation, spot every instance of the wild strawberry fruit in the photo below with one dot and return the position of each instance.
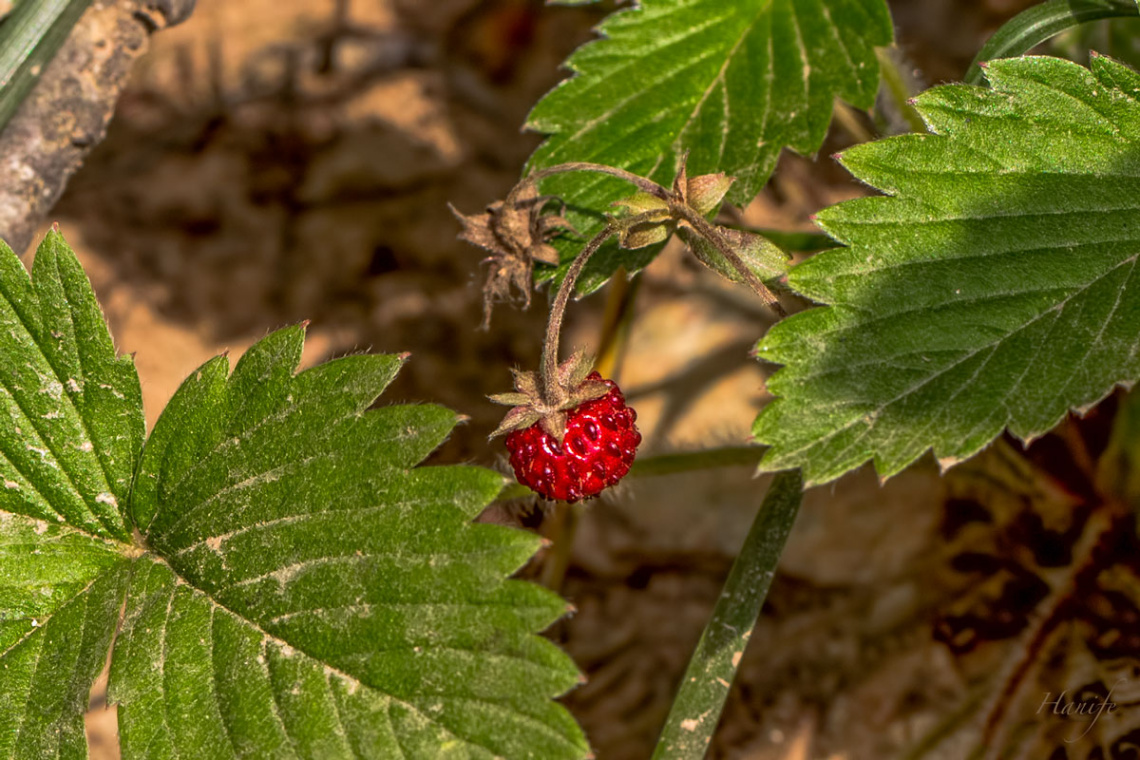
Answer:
(573, 449)
(599, 446)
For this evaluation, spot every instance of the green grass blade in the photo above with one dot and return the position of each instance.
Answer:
(1035, 25)
(29, 38)
(696, 709)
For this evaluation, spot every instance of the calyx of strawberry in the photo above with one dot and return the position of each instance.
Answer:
(548, 402)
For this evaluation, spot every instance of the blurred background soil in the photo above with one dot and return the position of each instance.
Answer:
(287, 160)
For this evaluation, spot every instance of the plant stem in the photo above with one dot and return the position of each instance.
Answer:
(643, 184)
(896, 85)
(710, 233)
(619, 310)
(704, 687)
(552, 392)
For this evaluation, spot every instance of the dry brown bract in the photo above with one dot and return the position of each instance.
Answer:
(516, 232)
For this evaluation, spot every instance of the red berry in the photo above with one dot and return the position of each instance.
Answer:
(599, 446)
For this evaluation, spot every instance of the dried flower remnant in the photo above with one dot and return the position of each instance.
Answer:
(516, 232)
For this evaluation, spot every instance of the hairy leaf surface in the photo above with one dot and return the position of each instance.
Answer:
(71, 426)
(287, 581)
(71, 421)
(732, 83)
(313, 594)
(994, 287)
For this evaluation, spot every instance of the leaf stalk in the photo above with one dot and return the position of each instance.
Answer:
(704, 687)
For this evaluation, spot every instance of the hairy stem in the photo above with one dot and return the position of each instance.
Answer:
(643, 184)
(553, 393)
(710, 233)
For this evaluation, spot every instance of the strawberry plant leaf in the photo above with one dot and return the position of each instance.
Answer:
(731, 83)
(60, 595)
(71, 427)
(311, 593)
(72, 422)
(994, 287)
(285, 579)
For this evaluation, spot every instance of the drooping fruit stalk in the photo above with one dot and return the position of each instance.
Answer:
(569, 432)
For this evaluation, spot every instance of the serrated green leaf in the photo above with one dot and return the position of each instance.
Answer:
(313, 594)
(290, 583)
(71, 426)
(732, 83)
(995, 286)
(60, 594)
(71, 419)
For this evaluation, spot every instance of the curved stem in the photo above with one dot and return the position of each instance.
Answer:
(710, 233)
(646, 185)
(1038, 23)
(552, 392)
